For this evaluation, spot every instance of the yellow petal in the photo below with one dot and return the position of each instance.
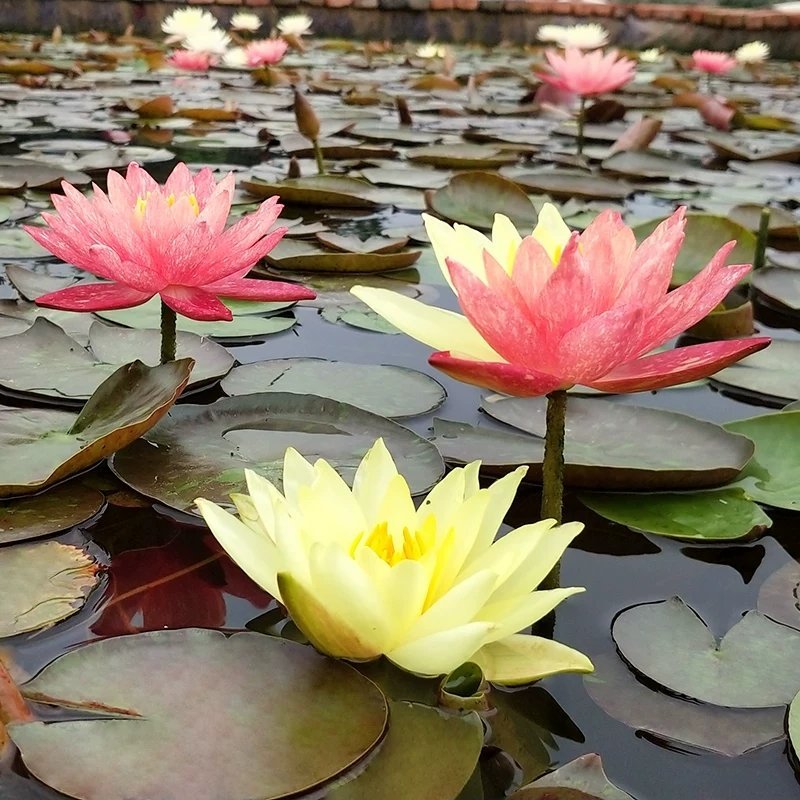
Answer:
(436, 327)
(297, 472)
(443, 500)
(327, 631)
(461, 243)
(397, 507)
(505, 241)
(522, 659)
(253, 552)
(442, 652)
(551, 232)
(371, 481)
(515, 614)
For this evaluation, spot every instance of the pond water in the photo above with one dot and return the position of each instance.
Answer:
(163, 570)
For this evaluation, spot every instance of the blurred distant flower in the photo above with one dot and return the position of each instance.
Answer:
(295, 25)
(752, 53)
(587, 74)
(431, 50)
(187, 21)
(651, 56)
(235, 57)
(191, 60)
(587, 36)
(429, 589)
(551, 33)
(712, 62)
(214, 41)
(264, 52)
(245, 21)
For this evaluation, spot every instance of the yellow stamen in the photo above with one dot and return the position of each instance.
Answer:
(414, 545)
(141, 203)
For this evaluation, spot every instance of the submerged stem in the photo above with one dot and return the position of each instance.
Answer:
(553, 469)
(763, 235)
(169, 325)
(581, 121)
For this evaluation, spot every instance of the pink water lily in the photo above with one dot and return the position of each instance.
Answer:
(587, 74)
(712, 61)
(191, 60)
(556, 309)
(144, 240)
(263, 52)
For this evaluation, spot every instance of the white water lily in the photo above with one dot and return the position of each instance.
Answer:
(364, 574)
(587, 36)
(215, 42)
(185, 22)
(752, 53)
(551, 33)
(235, 57)
(245, 21)
(431, 50)
(295, 25)
(652, 56)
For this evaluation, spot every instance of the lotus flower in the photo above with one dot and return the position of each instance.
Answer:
(168, 240)
(235, 57)
(295, 25)
(557, 309)
(215, 42)
(265, 51)
(191, 60)
(245, 21)
(653, 55)
(186, 21)
(587, 74)
(588, 36)
(426, 588)
(712, 62)
(752, 53)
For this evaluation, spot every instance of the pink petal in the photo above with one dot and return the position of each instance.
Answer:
(681, 365)
(180, 181)
(196, 304)
(608, 245)
(94, 297)
(507, 378)
(532, 269)
(255, 289)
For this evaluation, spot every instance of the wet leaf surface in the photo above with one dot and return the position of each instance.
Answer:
(779, 596)
(585, 774)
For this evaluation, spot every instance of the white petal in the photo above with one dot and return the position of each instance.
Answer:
(297, 472)
(372, 479)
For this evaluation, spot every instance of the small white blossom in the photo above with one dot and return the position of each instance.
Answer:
(295, 25)
(752, 53)
(188, 21)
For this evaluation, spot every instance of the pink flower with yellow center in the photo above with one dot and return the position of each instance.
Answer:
(587, 74)
(144, 239)
(265, 51)
(712, 62)
(556, 309)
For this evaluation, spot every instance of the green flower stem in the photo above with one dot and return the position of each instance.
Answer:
(761, 242)
(318, 157)
(553, 469)
(169, 325)
(581, 122)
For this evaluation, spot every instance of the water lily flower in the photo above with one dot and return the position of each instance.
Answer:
(556, 308)
(245, 21)
(144, 239)
(265, 51)
(187, 21)
(429, 589)
(214, 41)
(752, 53)
(431, 50)
(235, 57)
(652, 56)
(712, 62)
(191, 60)
(295, 25)
(587, 74)
(587, 36)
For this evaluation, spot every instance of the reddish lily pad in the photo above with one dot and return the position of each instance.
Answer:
(160, 694)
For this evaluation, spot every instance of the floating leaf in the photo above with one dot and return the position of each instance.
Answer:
(311, 720)
(779, 287)
(43, 583)
(779, 596)
(57, 510)
(43, 447)
(727, 731)
(565, 185)
(717, 515)
(793, 724)
(319, 191)
(782, 224)
(753, 666)
(352, 244)
(584, 774)
(306, 257)
(443, 749)
(381, 389)
(202, 451)
(461, 156)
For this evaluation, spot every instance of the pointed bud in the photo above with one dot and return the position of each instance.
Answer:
(403, 111)
(307, 120)
(294, 168)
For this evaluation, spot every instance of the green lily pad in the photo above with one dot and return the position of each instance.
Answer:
(42, 446)
(641, 164)
(366, 320)
(611, 446)
(407, 176)
(29, 173)
(387, 390)
(18, 316)
(195, 707)
(753, 666)
(585, 774)
(727, 731)
(59, 509)
(353, 244)
(782, 224)
(779, 596)
(718, 515)
(248, 325)
(473, 198)
(443, 748)
(46, 363)
(43, 583)
(30, 284)
(769, 375)
(400, 134)
(772, 476)
(306, 257)
(321, 191)
(561, 184)
(462, 156)
(793, 724)
(16, 244)
(705, 234)
(779, 287)
(202, 451)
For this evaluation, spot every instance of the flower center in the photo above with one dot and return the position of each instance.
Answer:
(141, 203)
(412, 546)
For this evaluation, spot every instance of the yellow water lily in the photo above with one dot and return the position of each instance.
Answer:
(364, 573)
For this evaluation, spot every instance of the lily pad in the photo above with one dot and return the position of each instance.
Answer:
(585, 774)
(461, 156)
(641, 164)
(727, 731)
(386, 390)
(46, 363)
(611, 446)
(443, 748)
(160, 694)
(793, 724)
(772, 476)
(16, 244)
(202, 451)
(353, 244)
(753, 666)
(43, 583)
(560, 184)
(306, 257)
(718, 515)
(782, 224)
(246, 323)
(779, 596)
(42, 447)
(59, 509)
(17, 316)
(473, 198)
(779, 287)
(321, 191)
(705, 234)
